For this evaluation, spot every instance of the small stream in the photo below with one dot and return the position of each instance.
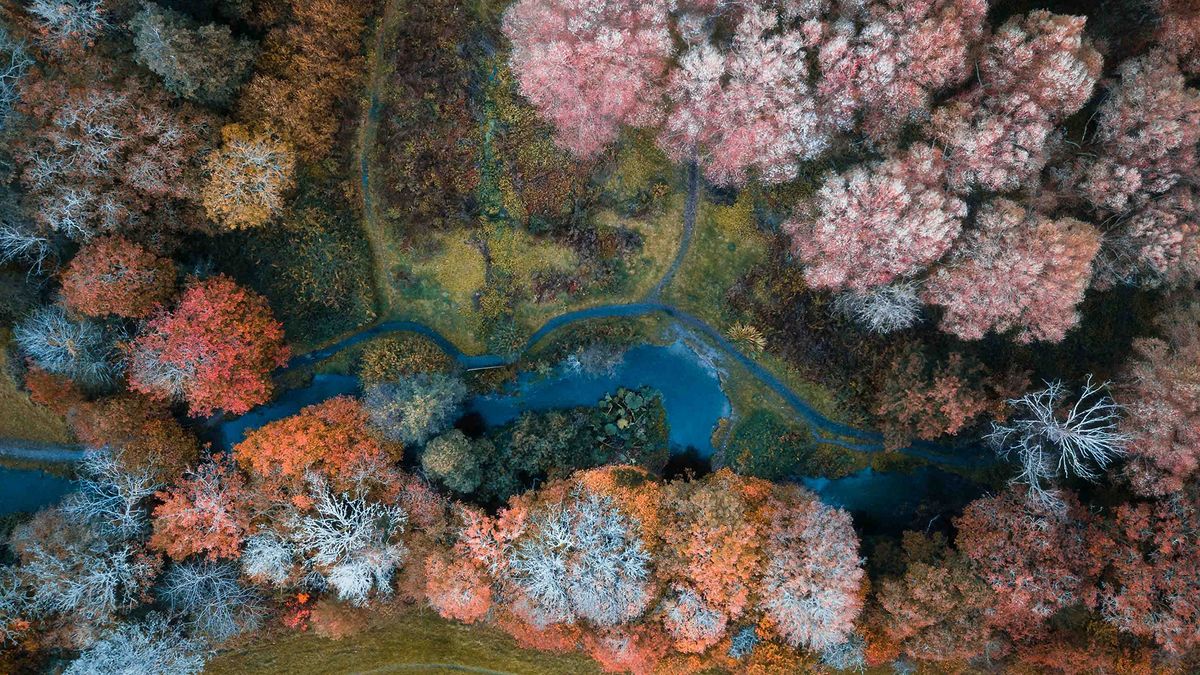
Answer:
(690, 383)
(29, 489)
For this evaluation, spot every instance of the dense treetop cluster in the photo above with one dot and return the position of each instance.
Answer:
(961, 211)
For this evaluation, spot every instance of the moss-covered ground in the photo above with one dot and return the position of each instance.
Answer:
(20, 418)
(413, 641)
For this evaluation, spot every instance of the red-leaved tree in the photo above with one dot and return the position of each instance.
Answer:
(457, 588)
(747, 108)
(328, 439)
(889, 62)
(1152, 584)
(215, 349)
(112, 275)
(1035, 559)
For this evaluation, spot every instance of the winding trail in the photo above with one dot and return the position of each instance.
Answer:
(685, 240)
(34, 451)
(827, 430)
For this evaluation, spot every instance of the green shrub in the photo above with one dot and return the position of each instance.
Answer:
(766, 446)
(394, 357)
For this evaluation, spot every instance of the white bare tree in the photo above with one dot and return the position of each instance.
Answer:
(268, 558)
(14, 64)
(23, 242)
(149, 647)
(687, 617)
(846, 656)
(1050, 440)
(211, 599)
(112, 497)
(77, 349)
(65, 21)
(583, 559)
(353, 541)
(12, 602)
(885, 309)
(90, 577)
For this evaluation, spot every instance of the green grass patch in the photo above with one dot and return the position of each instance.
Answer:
(768, 445)
(725, 245)
(413, 641)
(20, 417)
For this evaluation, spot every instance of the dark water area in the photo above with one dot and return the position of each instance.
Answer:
(891, 502)
(691, 392)
(30, 489)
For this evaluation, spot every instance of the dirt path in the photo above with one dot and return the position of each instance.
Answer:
(33, 451)
(685, 240)
(368, 131)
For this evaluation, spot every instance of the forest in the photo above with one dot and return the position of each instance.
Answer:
(569, 336)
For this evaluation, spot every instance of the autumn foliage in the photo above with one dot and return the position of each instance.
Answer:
(1162, 387)
(114, 276)
(215, 349)
(142, 429)
(304, 72)
(207, 513)
(1017, 270)
(329, 439)
(247, 178)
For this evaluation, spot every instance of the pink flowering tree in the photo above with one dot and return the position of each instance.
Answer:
(1016, 270)
(748, 108)
(1037, 70)
(889, 57)
(998, 146)
(1159, 245)
(1179, 32)
(590, 66)
(1148, 137)
(1162, 390)
(874, 224)
(1044, 58)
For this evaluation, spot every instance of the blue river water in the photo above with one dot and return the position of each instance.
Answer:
(691, 392)
(29, 489)
(692, 396)
(893, 501)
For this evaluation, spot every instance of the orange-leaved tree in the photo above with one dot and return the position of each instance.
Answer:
(329, 439)
(207, 513)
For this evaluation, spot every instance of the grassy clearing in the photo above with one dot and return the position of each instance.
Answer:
(443, 286)
(414, 641)
(725, 245)
(660, 230)
(21, 418)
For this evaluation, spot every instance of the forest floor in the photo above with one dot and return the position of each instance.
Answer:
(20, 418)
(413, 640)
